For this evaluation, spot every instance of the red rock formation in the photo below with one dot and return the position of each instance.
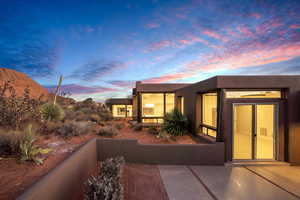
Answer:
(20, 81)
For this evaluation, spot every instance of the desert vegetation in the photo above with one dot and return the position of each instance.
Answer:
(107, 184)
(175, 123)
(25, 120)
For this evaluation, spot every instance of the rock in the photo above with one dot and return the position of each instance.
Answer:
(20, 81)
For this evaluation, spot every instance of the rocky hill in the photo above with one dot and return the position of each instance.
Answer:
(20, 81)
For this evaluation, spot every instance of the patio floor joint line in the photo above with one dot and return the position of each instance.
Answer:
(202, 183)
(257, 174)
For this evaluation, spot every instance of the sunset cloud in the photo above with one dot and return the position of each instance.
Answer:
(215, 35)
(160, 45)
(94, 70)
(295, 26)
(255, 15)
(152, 25)
(75, 89)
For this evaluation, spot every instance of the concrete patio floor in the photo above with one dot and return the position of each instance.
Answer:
(228, 182)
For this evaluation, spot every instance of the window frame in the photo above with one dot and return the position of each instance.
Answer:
(255, 90)
(207, 127)
(164, 106)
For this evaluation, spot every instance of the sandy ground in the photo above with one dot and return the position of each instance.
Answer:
(15, 176)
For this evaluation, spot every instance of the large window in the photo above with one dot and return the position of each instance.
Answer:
(209, 114)
(253, 94)
(155, 105)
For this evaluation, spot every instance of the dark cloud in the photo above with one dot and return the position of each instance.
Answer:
(94, 70)
(81, 89)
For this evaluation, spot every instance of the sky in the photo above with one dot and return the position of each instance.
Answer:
(101, 47)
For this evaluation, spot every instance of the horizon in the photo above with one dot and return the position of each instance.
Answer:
(103, 48)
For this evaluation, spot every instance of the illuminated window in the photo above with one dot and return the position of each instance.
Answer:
(170, 102)
(209, 113)
(118, 110)
(253, 94)
(153, 105)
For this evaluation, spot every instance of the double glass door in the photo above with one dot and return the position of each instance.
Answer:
(254, 131)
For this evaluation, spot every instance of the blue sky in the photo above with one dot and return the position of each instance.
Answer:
(102, 47)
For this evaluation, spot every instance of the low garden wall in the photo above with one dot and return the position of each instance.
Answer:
(66, 179)
(162, 154)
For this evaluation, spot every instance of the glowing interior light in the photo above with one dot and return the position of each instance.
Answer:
(149, 105)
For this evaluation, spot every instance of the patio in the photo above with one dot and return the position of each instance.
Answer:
(227, 182)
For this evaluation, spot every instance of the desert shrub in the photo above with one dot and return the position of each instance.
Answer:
(153, 130)
(137, 127)
(73, 128)
(10, 142)
(49, 127)
(107, 185)
(52, 112)
(28, 150)
(119, 126)
(109, 131)
(14, 110)
(95, 118)
(86, 110)
(105, 115)
(175, 123)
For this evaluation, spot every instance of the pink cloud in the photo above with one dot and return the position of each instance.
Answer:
(259, 55)
(167, 78)
(255, 15)
(152, 25)
(295, 26)
(215, 35)
(160, 45)
(255, 57)
(245, 30)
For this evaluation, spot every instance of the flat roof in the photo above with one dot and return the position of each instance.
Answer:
(159, 87)
(119, 101)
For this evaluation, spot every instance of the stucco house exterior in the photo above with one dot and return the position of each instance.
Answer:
(256, 117)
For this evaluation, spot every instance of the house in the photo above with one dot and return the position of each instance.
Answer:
(120, 107)
(256, 117)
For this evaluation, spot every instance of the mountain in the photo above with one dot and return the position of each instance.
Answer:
(20, 81)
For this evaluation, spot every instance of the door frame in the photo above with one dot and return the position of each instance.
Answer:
(254, 126)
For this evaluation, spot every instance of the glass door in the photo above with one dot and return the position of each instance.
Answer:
(242, 132)
(265, 132)
(254, 131)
